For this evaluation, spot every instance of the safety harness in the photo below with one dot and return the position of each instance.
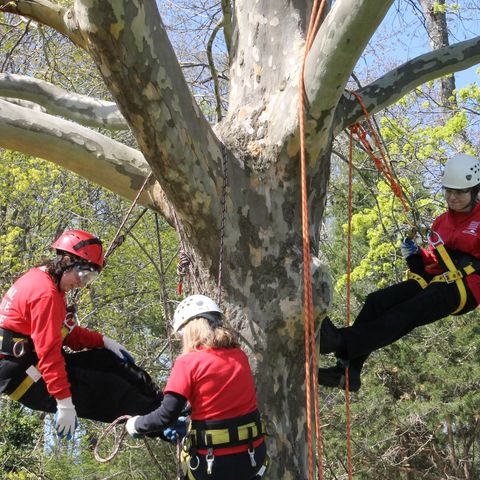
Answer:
(451, 275)
(17, 345)
(214, 434)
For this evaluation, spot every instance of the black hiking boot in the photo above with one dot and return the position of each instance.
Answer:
(331, 340)
(336, 377)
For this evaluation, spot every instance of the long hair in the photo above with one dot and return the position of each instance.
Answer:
(54, 267)
(199, 333)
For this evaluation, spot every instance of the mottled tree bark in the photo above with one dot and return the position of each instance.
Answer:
(262, 277)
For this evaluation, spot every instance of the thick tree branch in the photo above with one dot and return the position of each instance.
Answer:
(128, 42)
(339, 43)
(398, 82)
(227, 23)
(213, 70)
(46, 13)
(100, 159)
(85, 110)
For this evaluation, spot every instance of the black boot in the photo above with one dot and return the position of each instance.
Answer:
(331, 340)
(336, 377)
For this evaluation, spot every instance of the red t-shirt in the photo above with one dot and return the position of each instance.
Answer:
(459, 231)
(34, 306)
(218, 384)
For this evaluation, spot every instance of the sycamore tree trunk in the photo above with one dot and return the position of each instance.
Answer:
(262, 264)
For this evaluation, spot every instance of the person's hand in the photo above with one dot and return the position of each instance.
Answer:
(176, 431)
(409, 247)
(66, 418)
(118, 349)
(130, 427)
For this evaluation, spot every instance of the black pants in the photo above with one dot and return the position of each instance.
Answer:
(391, 313)
(229, 467)
(103, 387)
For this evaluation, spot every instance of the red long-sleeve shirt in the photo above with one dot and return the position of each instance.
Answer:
(459, 231)
(34, 306)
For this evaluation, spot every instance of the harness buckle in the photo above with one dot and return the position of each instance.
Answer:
(447, 278)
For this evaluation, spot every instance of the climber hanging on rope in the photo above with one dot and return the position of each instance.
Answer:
(100, 383)
(443, 280)
(226, 439)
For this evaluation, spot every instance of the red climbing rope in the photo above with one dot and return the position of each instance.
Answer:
(380, 161)
(310, 351)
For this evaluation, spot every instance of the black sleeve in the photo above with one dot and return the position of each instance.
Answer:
(164, 416)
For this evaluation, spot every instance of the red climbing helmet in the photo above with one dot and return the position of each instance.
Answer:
(82, 244)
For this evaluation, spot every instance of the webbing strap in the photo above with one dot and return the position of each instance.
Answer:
(28, 381)
(227, 437)
(452, 269)
(418, 278)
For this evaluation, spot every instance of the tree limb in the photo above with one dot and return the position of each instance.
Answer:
(227, 23)
(395, 84)
(213, 70)
(46, 13)
(129, 43)
(338, 45)
(100, 159)
(85, 110)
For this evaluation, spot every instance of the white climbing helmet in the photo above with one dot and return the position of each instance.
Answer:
(192, 307)
(461, 171)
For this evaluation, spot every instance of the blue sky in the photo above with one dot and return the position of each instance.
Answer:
(402, 36)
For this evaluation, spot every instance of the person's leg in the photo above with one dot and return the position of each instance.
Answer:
(369, 332)
(375, 305)
(429, 305)
(104, 388)
(102, 360)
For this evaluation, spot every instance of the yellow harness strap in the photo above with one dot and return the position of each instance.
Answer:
(418, 278)
(20, 391)
(450, 276)
(453, 275)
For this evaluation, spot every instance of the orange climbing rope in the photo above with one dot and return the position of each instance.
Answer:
(310, 352)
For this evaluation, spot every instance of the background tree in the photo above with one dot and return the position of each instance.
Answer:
(263, 263)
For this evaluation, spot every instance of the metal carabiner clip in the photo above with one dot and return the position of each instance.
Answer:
(435, 243)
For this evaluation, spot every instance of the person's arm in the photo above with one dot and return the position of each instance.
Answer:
(161, 418)
(46, 316)
(47, 313)
(80, 338)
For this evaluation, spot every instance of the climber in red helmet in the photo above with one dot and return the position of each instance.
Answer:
(99, 380)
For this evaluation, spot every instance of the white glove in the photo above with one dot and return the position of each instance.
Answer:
(66, 418)
(118, 349)
(130, 427)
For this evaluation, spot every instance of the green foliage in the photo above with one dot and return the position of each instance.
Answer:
(18, 437)
(38, 202)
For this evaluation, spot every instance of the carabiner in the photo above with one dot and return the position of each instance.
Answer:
(435, 243)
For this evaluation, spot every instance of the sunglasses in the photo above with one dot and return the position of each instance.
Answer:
(86, 273)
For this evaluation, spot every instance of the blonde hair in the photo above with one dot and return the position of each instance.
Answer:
(200, 333)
